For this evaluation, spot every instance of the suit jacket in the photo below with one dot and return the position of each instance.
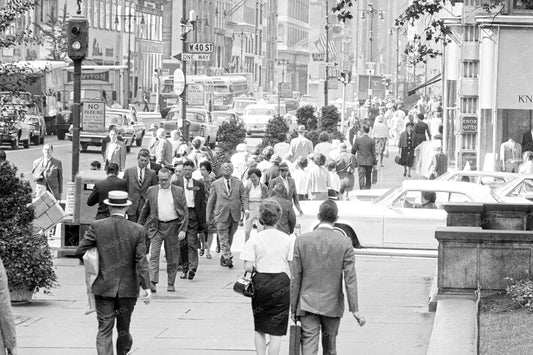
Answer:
(118, 155)
(364, 150)
(300, 147)
(49, 175)
(122, 257)
(527, 142)
(162, 150)
(101, 191)
(292, 194)
(222, 205)
(320, 260)
(199, 200)
(103, 144)
(8, 337)
(136, 192)
(150, 211)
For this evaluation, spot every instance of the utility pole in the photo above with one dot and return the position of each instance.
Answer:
(128, 74)
(78, 43)
(371, 11)
(242, 50)
(327, 58)
(185, 127)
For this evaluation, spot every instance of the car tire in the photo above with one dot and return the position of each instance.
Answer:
(139, 141)
(61, 135)
(26, 143)
(84, 147)
(349, 233)
(36, 140)
(15, 144)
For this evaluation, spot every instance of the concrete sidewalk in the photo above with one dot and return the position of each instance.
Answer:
(205, 316)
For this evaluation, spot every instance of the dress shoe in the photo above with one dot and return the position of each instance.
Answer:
(191, 274)
(153, 287)
(223, 262)
(229, 262)
(183, 276)
(171, 288)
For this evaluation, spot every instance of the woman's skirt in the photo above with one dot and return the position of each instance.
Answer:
(407, 157)
(270, 304)
(381, 143)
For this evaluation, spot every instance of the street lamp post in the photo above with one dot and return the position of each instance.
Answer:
(399, 30)
(326, 27)
(371, 11)
(283, 63)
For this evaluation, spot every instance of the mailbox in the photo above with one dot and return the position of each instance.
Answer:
(84, 185)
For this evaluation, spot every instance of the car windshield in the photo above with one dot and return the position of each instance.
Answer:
(259, 112)
(390, 194)
(241, 104)
(113, 118)
(220, 117)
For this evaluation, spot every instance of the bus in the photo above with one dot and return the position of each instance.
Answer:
(227, 88)
(200, 92)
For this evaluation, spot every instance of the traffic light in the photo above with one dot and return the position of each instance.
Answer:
(345, 77)
(385, 81)
(78, 38)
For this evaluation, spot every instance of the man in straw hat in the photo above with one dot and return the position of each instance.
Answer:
(300, 146)
(122, 265)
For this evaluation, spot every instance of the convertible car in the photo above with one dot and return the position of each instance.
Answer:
(396, 219)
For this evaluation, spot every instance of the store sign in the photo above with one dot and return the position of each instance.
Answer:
(469, 124)
(94, 76)
(514, 90)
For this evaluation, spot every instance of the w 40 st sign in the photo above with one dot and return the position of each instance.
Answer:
(199, 47)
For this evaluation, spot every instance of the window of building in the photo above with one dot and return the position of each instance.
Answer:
(119, 12)
(470, 69)
(107, 16)
(89, 10)
(469, 104)
(470, 34)
(101, 23)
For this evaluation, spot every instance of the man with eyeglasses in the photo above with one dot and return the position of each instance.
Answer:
(196, 204)
(166, 214)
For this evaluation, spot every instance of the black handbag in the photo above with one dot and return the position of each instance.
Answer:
(245, 286)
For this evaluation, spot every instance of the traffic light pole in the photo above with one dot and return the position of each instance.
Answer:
(76, 119)
(185, 127)
(327, 58)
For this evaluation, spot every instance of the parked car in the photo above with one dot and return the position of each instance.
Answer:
(137, 124)
(13, 130)
(256, 118)
(62, 123)
(518, 190)
(240, 103)
(225, 116)
(390, 221)
(38, 128)
(492, 179)
(200, 124)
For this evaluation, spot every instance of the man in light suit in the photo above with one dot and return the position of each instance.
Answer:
(166, 214)
(161, 148)
(122, 267)
(289, 183)
(139, 178)
(195, 195)
(320, 259)
(227, 198)
(364, 150)
(48, 173)
(300, 146)
(115, 151)
(101, 190)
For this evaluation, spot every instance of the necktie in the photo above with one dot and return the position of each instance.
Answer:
(228, 185)
(140, 176)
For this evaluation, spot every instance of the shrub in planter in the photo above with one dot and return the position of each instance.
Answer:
(26, 256)
(306, 115)
(274, 128)
(230, 134)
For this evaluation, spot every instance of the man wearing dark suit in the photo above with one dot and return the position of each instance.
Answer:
(139, 178)
(102, 188)
(153, 165)
(289, 183)
(320, 259)
(122, 266)
(227, 198)
(48, 173)
(166, 215)
(195, 195)
(527, 142)
(364, 150)
(107, 139)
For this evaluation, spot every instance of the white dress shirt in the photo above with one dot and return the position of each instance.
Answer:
(165, 205)
(189, 194)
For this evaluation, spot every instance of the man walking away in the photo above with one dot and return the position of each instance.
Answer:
(195, 195)
(321, 258)
(101, 190)
(166, 213)
(161, 148)
(139, 178)
(122, 266)
(300, 146)
(227, 198)
(364, 150)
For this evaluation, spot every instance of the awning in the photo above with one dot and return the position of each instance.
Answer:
(431, 81)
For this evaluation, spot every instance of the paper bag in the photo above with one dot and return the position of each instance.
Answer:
(90, 258)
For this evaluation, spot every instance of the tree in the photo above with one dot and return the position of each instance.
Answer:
(53, 33)
(275, 127)
(25, 255)
(230, 134)
(329, 119)
(436, 32)
(306, 115)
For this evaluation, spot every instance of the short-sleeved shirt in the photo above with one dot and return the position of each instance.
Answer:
(270, 250)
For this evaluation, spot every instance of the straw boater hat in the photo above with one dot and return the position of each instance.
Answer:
(118, 199)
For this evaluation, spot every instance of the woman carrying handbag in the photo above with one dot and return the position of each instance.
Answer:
(268, 253)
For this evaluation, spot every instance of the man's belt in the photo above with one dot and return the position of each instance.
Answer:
(172, 220)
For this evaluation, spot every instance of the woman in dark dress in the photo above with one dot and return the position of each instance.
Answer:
(421, 128)
(407, 145)
(269, 253)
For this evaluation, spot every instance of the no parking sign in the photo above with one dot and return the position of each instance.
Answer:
(93, 116)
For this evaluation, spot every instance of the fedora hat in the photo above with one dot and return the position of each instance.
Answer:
(118, 199)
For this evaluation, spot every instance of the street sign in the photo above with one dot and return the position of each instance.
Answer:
(93, 116)
(199, 47)
(318, 57)
(186, 28)
(179, 81)
(333, 73)
(196, 57)
(331, 64)
(195, 94)
(285, 90)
